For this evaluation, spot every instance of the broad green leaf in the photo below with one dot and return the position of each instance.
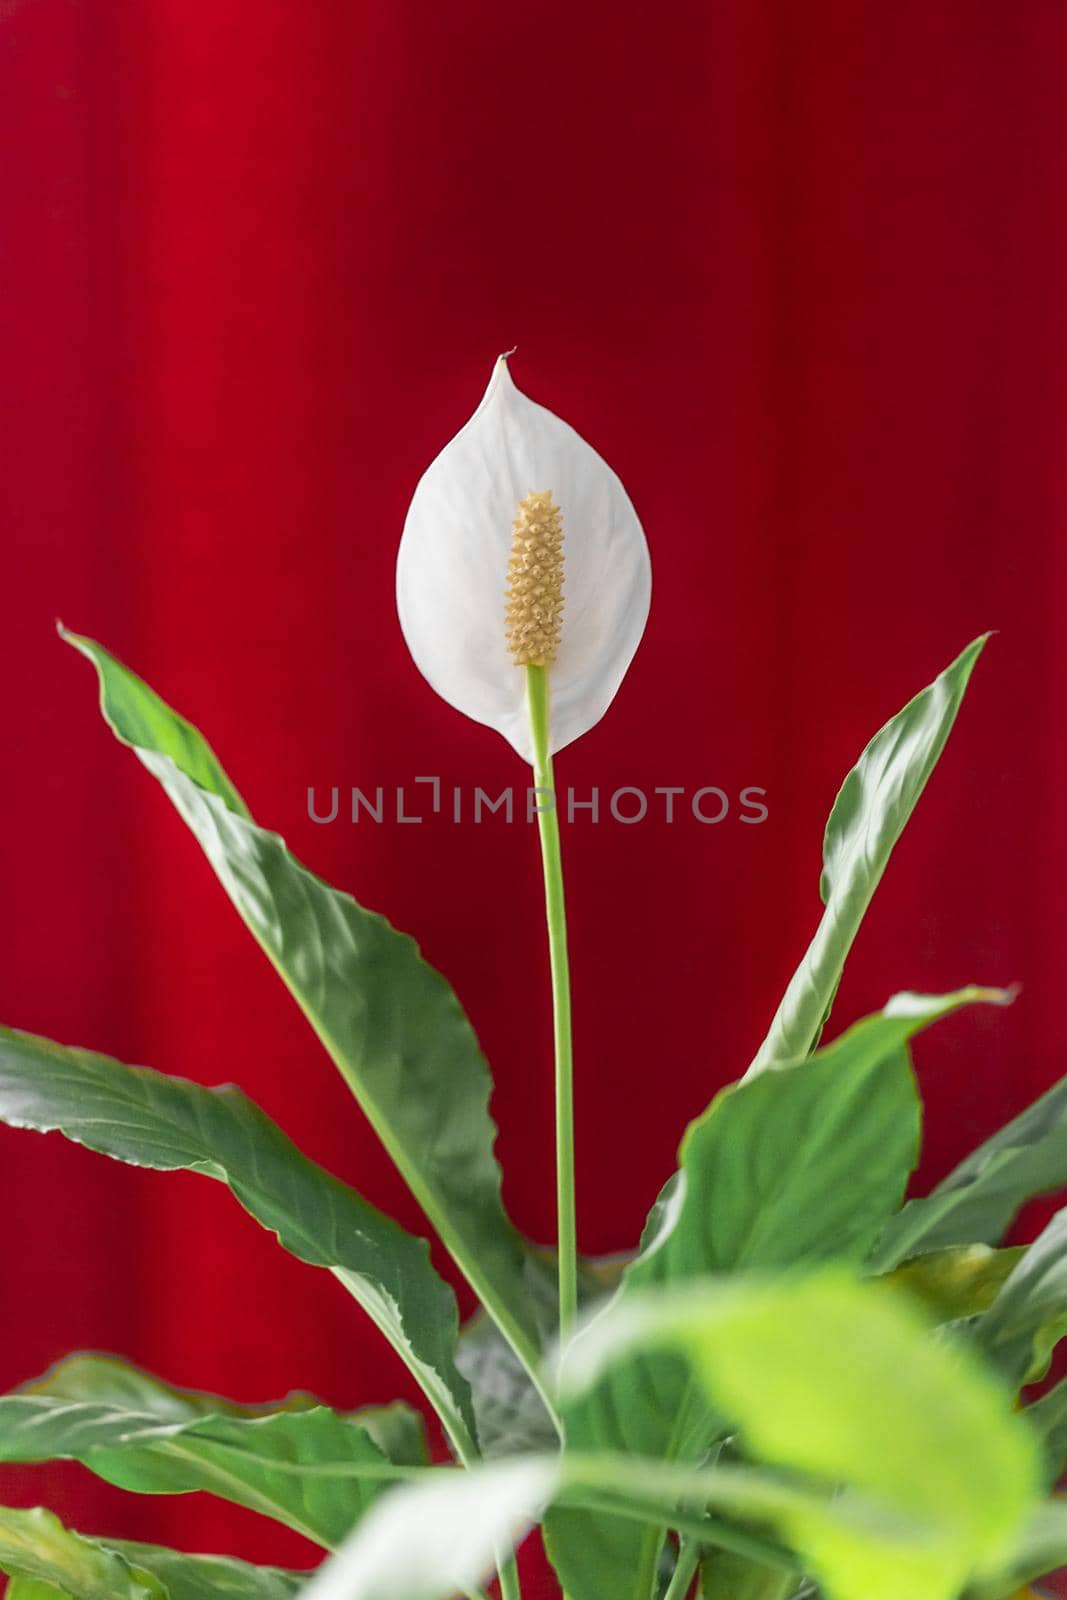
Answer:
(805, 1165)
(33, 1589)
(391, 1024)
(976, 1203)
(841, 1382)
(643, 1408)
(1029, 1315)
(305, 1466)
(512, 1419)
(868, 817)
(726, 1576)
(1048, 1416)
(151, 1120)
(785, 1169)
(959, 1282)
(35, 1545)
(210, 1577)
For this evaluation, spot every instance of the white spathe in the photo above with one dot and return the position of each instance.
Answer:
(451, 572)
(439, 1533)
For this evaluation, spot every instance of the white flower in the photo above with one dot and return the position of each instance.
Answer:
(478, 573)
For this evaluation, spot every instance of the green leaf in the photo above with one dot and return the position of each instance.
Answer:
(145, 722)
(210, 1577)
(35, 1546)
(397, 1430)
(642, 1407)
(391, 1024)
(787, 1168)
(1048, 1416)
(1041, 1548)
(975, 1204)
(305, 1465)
(512, 1419)
(957, 1283)
(726, 1576)
(151, 1120)
(841, 1382)
(868, 817)
(181, 1576)
(1029, 1315)
(805, 1165)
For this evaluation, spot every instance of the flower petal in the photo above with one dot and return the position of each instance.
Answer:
(452, 568)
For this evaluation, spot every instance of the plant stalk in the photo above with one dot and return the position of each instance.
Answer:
(509, 1580)
(684, 1570)
(537, 694)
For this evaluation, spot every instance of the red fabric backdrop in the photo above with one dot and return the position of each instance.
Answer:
(798, 271)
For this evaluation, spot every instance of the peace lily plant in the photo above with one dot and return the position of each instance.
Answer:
(469, 521)
(797, 1383)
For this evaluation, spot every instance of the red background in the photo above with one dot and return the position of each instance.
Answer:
(798, 272)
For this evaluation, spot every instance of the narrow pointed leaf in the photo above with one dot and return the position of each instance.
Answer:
(305, 1466)
(150, 1120)
(1029, 1315)
(976, 1203)
(188, 1577)
(145, 722)
(1048, 1418)
(786, 1169)
(868, 817)
(34, 1545)
(840, 1382)
(391, 1024)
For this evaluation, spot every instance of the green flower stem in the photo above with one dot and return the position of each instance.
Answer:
(537, 694)
(684, 1571)
(509, 1580)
